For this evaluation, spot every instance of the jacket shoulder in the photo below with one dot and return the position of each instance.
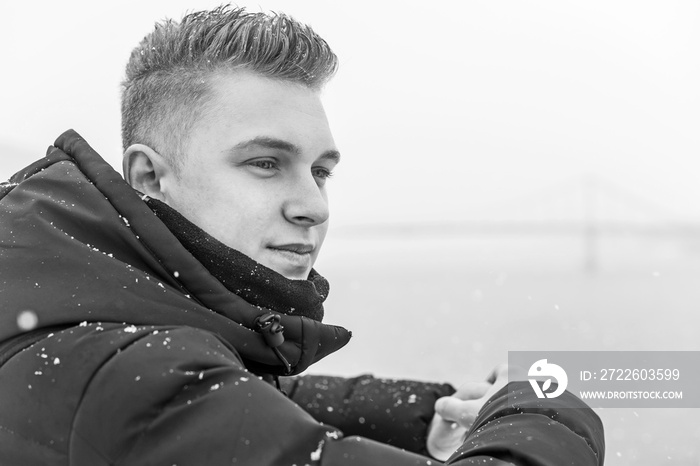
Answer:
(60, 372)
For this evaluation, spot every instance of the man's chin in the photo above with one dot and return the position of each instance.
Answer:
(289, 264)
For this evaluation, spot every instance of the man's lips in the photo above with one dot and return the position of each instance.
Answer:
(296, 248)
(293, 260)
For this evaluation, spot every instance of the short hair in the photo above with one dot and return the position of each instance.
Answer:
(165, 89)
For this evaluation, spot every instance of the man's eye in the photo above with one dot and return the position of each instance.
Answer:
(321, 172)
(264, 164)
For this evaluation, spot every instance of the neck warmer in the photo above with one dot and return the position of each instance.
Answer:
(252, 281)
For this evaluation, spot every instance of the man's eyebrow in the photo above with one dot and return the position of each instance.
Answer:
(269, 143)
(280, 144)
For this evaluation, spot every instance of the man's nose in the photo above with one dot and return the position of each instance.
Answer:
(306, 203)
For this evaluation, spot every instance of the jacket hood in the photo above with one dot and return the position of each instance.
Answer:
(77, 244)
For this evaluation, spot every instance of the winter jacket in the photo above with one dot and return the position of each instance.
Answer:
(118, 347)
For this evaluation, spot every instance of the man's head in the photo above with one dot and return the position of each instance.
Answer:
(222, 121)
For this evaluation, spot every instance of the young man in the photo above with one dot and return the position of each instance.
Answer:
(148, 321)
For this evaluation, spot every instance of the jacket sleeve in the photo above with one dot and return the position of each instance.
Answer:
(395, 412)
(518, 428)
(183, 397)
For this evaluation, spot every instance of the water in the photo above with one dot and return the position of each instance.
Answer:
(450, 308)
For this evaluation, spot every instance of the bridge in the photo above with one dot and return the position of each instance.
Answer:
(589, 207)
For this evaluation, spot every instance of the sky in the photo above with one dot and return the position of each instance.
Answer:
(443, 111)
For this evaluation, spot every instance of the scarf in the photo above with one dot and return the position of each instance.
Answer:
(252, 281)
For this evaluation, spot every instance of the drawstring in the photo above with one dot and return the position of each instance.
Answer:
(272, 331)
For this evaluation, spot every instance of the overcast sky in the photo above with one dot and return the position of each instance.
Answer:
(442, 110)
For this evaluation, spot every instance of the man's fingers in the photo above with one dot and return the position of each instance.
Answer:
(444, 437)
(472, 390)
(498, 372)
(453, 409)
(503, 373)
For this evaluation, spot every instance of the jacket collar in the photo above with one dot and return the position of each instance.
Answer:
(240, 274)
(97, 252)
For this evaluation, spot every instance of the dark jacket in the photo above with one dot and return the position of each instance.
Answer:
(139, 356)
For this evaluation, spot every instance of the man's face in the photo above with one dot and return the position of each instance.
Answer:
(255, 171)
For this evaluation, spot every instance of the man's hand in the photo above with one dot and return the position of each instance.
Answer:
(455, 414)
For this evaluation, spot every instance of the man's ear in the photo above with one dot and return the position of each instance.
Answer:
(146, 170)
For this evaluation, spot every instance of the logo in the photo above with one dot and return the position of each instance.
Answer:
(542, 369)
